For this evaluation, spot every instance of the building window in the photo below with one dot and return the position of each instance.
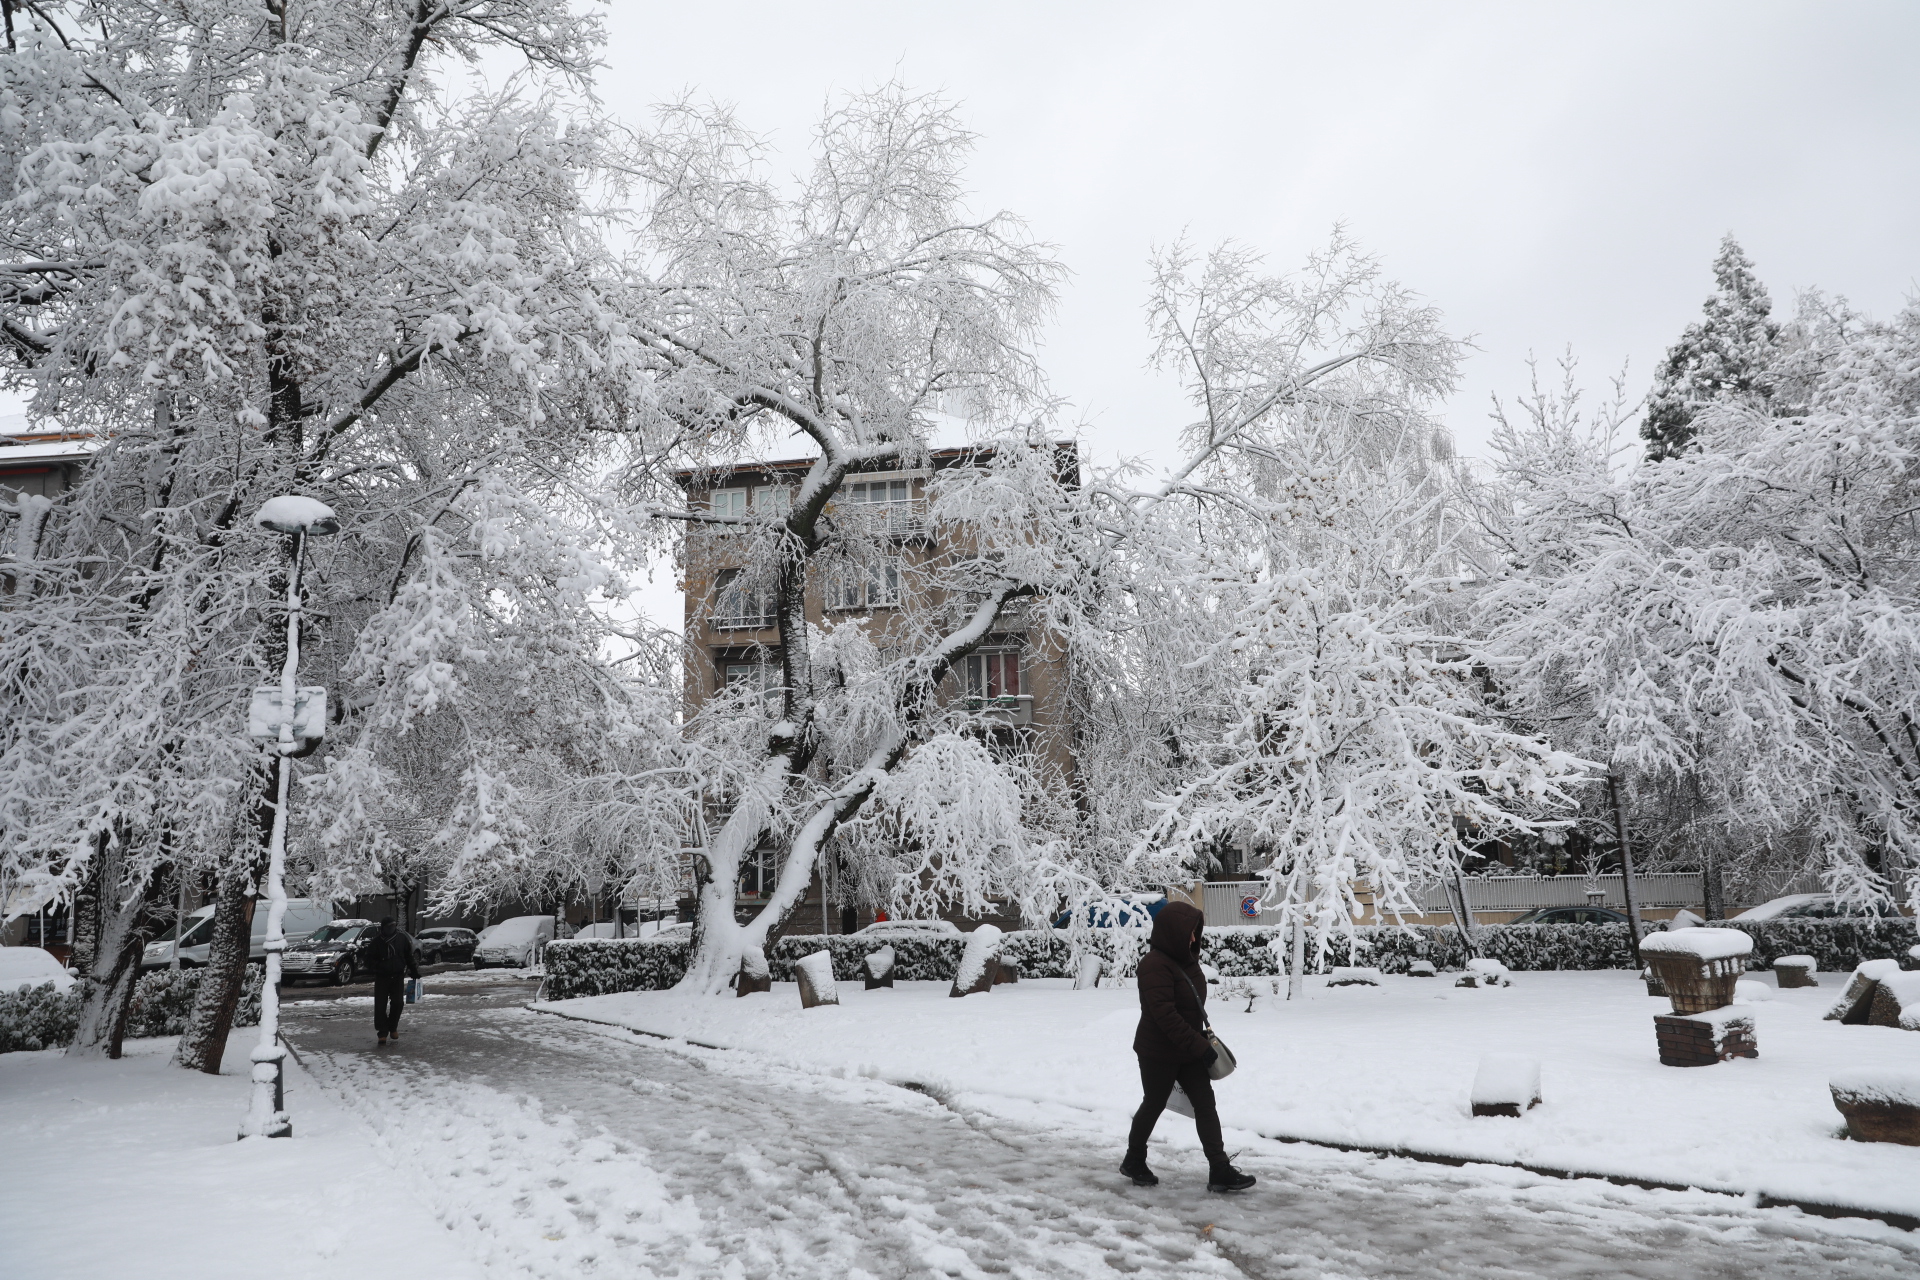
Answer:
(741, 602)
(728, 502)
(773, 501)
(865, 586)
(748, 675)
(993, 675)
(884, 504)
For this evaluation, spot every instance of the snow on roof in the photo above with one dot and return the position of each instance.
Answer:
(1707, 944)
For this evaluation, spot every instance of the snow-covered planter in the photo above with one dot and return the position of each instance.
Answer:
(1421, 969)
(1482, 972)
(601, 966)
(879, 966)
(1896, 1002)
(1698, 966)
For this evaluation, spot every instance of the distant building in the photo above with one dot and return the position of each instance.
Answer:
(1015, 682)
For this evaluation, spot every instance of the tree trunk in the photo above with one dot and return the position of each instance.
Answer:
(204, 1043)
(112, 923)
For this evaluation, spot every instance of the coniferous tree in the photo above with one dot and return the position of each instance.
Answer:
(1728, 356)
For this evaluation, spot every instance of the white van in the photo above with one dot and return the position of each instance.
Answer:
(304, 915)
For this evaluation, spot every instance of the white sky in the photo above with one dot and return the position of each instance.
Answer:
(1546, 175)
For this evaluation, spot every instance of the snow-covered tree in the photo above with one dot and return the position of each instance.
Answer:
(1729, 357)
(256, 250)
(1344, 731)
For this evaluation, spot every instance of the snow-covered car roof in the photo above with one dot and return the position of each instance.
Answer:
(22, 967)
(946, 927)
(518, 929)
(1768, 910)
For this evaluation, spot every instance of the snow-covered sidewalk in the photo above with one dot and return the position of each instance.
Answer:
(1382, 1067)
(131, 1168)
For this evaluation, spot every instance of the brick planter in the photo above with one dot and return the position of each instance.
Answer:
(1695, 985)
(1700, 1040)
(1794, 971)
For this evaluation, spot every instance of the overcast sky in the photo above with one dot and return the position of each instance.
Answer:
(1547, 175)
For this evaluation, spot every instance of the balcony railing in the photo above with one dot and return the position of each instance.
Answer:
(889, 519)
(1008, 708)
(744, 621)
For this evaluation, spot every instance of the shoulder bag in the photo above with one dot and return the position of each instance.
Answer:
(1223, 1060)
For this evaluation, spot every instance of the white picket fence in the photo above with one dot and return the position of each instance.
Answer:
(1238, 901)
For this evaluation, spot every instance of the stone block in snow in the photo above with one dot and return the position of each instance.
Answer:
(1354, 977)
(1506, 1084)
(975, 975)
(1896, 1002)
(1795, 971)
(1856, 1004)
(1421, 969)
(1702, 1039)
(1751, 991)
(879, 966)
(1880, 1105)
(1485, 973)
(815, 975)
(1086, 974)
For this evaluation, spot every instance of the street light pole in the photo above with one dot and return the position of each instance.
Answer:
(267, 1115)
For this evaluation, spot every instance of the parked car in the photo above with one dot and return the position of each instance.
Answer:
(302, 917)
(23, 967)
(907, 929)
(1812, 906)
(513, 944)
(446, 946)
(331, 954)
(1571, 915)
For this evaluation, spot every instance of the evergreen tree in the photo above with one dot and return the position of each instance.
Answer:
(1728, 356)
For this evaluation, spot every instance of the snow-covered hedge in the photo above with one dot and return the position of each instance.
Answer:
(1838, 945)
(601, 966)
(40, 1018)
(587, 967)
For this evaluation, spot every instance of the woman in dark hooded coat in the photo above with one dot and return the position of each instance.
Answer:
(1173, 1047)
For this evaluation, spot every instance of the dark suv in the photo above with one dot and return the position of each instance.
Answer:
(440, 945)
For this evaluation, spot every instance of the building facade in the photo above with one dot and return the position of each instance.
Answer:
(1014, 685)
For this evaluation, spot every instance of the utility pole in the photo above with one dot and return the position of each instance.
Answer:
(1626, 862)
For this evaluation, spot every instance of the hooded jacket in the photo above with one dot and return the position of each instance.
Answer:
(1173, 991)
(389, 953)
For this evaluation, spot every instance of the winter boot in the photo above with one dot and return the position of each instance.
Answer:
(1135, 1167)
(383, 1037)
(1224, 1177)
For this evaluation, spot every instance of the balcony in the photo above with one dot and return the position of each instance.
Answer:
(744, 622)
(1007, 708)
(903, 519)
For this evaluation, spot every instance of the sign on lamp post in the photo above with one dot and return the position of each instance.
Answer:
(289, 721)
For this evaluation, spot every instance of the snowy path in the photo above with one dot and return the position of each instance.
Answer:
(553, 1148)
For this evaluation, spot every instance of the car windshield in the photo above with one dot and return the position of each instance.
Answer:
(336, 933)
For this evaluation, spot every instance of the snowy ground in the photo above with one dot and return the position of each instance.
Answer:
(130, 1168)
(1387, 1067)
(500, 1143)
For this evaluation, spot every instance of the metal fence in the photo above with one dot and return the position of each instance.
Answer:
(1524, 893)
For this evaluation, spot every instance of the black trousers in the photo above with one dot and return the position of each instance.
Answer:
(389, 997)
(1156, 1082)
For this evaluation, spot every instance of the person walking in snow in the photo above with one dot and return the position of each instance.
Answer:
(393, 958)
(1173, 1048)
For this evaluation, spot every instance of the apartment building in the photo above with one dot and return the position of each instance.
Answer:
(1014, 684)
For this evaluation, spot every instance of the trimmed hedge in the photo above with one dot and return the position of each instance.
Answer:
(41, 1018)
(600, 966)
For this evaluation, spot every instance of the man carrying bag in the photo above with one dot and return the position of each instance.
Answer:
(390, 954)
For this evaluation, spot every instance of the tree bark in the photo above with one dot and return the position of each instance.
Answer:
(112, 924)
(204, 1043)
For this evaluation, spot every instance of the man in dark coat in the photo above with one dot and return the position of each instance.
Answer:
(1173, 1047)
(392, 957)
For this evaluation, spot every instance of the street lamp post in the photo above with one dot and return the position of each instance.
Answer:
(275, 710)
